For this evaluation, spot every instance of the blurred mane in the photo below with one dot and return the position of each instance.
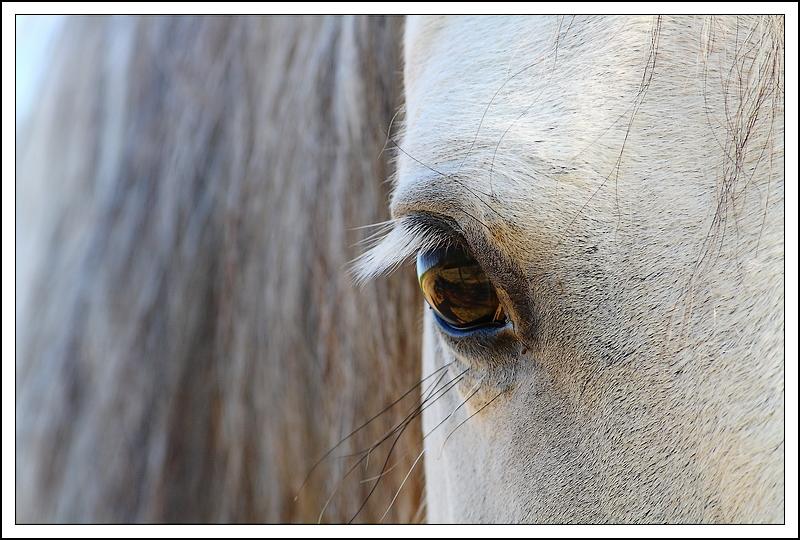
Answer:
(189, 342)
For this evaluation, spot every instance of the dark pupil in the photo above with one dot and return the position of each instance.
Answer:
(457, 288)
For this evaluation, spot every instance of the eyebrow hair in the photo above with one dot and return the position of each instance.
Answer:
(418, 231)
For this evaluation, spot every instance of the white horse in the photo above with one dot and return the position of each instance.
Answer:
(598, 205)
(596, 209)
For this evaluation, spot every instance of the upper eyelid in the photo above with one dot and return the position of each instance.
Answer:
(430, 224)
(446, 227)
(421, 230)
(479, 241)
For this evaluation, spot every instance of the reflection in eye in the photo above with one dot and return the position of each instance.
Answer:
(456, 287)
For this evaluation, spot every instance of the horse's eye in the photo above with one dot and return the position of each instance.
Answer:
(456, 287)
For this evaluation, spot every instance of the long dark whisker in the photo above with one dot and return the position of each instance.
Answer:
(477, 387)
(362, 426)
(366, 452)
(427, 394)
(413, 465)
(380, 477)
(391, 450)
(407, 420)
(416, 411)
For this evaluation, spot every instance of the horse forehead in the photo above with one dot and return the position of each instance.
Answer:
(493, 92)
(468, 58)
(492, 98)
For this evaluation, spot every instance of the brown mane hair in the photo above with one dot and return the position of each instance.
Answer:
(189, 341)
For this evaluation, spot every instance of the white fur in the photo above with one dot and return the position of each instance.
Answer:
(632, 170)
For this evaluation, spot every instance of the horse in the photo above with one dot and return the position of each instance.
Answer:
(618, 182)
(595, 205)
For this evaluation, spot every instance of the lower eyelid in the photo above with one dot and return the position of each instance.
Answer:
(484, 330)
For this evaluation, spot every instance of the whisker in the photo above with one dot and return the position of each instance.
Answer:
(419, 409)
(403, 483)
(491, 101)
(475, 391)
(465, 421)
(425, 398)
(403, 424)
(387, 471)
(380, 477)
(477, 387)
(362, 426)
(389, 132)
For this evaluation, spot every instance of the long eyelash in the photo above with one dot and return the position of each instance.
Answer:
(410, 234)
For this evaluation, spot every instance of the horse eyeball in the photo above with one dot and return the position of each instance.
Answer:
(458, 289)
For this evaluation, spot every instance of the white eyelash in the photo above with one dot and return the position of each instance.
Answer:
(401, 243)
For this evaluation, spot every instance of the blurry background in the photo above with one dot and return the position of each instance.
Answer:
(190, 191)
(34, 42)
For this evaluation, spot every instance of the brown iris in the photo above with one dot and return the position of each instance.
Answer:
(458, 289)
